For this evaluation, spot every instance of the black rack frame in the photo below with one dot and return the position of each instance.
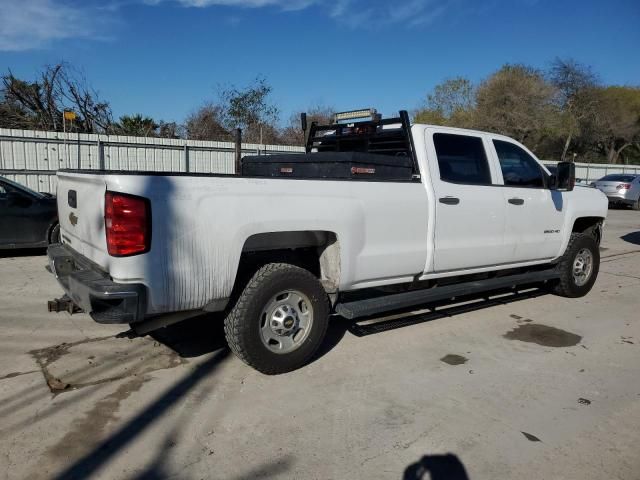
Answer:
(367, 133)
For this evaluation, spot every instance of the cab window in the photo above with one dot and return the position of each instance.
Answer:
(519, 169)
(462, 159)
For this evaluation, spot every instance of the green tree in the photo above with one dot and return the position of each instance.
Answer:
(615, 130)
(136, 125)
(251, 110)
(517, 101)
(451, 103)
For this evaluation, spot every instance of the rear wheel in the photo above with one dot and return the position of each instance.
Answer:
(279, 320)
(636, 205)
(579, 266)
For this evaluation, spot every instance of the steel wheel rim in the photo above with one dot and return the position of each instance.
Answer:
(582, 267)
(286, 321)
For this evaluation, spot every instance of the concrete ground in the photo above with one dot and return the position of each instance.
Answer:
(534, 387)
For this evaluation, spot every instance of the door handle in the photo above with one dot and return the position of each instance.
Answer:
(449, 200)
(516, 201)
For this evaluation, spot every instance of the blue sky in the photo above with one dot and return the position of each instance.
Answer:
(165, 57)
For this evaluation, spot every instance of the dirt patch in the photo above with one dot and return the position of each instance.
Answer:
(86, 431)
(70, 366)
(543, 335)
(452, 359)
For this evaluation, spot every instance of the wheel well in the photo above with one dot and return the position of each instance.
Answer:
(50, 229)
(316, 251)
(590, 226)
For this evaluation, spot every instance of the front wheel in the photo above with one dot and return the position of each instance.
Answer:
(279, 320)
(579, 266)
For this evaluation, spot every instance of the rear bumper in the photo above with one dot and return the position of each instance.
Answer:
(613, 198)
(93, 290)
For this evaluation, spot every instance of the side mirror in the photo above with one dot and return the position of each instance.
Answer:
(565, 178)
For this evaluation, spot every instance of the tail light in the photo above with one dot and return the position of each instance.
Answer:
(624, 186)
(127, 221)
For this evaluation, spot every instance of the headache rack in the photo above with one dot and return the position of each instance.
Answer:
(375, 135)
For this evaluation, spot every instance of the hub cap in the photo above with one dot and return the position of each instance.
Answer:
(286, 321)
(582, 267)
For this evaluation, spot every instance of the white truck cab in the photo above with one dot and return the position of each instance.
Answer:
(435, 212)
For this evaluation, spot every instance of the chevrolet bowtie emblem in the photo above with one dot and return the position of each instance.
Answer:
(73, 219)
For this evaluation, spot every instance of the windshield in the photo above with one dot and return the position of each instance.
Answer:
(19, 186)
(617, 177)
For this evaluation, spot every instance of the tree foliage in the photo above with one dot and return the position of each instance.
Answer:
(451, 103)
(136, 125)
(250, 109)
(564, 112)
(292, 134)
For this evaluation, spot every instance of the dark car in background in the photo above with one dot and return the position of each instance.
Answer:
(28, 219)
(621, 189)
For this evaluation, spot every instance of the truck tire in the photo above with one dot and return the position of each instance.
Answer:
(280, 319)
(578, 267)
(54, 236)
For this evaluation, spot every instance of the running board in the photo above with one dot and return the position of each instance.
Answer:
(398, 301)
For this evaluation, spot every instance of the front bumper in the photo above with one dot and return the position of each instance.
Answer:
(93, 290)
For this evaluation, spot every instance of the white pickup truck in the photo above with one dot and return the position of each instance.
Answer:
(280, 249)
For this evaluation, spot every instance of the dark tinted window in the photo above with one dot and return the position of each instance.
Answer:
(519, 169)
(617, 177)
(462, 159)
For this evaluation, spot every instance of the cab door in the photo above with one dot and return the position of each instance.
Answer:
(535, 214)
(470, 210)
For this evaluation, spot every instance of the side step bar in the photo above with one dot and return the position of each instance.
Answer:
(397, 301)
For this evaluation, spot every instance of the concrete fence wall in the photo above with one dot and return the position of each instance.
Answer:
(32, 157)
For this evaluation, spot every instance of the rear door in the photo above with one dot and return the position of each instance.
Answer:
(470, 211)
(535, 214)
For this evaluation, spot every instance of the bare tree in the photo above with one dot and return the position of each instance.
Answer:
(206, 123)
(292, 134)
(40, 104)
(574, 83)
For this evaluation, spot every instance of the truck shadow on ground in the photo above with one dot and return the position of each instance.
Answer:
(205, 334)
(633, 237)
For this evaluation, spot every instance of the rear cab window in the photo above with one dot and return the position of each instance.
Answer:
(462, 159)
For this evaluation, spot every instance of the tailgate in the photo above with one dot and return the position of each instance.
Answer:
(81, 213)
